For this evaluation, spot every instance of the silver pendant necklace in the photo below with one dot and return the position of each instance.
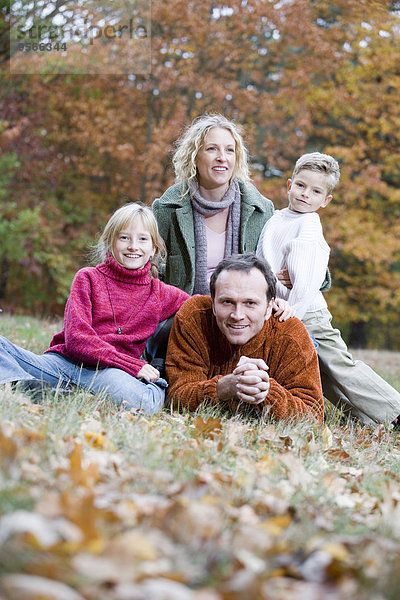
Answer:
(121, 327)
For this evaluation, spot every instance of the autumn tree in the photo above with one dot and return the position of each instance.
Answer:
(356, 118)
(299, 75)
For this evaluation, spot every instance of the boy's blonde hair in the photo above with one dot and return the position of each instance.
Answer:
(123, 217)
(323, 163)
(189, 144)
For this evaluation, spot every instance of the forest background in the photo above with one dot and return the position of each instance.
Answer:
(299, 75)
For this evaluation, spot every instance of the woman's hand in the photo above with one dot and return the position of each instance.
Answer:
(283, 310)
(148, 373)
(284, 278)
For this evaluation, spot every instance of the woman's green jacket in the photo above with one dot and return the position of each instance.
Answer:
(174, 216)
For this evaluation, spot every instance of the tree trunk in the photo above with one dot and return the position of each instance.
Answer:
(357, 335)
(5, 266)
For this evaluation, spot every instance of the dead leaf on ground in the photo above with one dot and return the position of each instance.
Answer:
(276, 525)
(327, 438)
(80, 475)
(193, 521)
(296, 472)
(158, 589)
(8, 447)
(269, 433)
(33, 587)
(43, 532)
(209, 428)
(99, 440)
(338, 454)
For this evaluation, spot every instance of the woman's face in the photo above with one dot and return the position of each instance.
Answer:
(216, 159)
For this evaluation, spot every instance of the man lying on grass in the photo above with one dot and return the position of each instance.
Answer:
(230, 348)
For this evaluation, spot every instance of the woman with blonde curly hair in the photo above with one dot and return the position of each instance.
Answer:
(213, 210)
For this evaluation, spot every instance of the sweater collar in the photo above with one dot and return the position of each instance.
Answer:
(112, 269)
(290, 214)
(249, 193)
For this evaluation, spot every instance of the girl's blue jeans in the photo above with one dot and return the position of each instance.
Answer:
(17, 364)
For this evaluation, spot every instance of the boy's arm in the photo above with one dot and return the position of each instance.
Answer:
(285, 281)
(284, 277)
(307, 264)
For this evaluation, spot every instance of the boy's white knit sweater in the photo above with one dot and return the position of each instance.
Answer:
(295, 241)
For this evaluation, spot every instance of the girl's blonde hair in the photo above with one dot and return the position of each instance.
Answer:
(123, 217)
(189, 144)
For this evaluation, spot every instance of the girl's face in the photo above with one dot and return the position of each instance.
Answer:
(133, 246)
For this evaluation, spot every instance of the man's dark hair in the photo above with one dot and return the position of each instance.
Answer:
(245, 262)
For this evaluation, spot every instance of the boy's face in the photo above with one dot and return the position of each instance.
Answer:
(308, 191)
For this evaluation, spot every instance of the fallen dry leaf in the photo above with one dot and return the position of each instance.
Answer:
(43, 532)
(33, 587)
(99, 440)
(8, 447)
(327, 438)
(338, 454)
(209, 428)
(276, 525)
(80, 475)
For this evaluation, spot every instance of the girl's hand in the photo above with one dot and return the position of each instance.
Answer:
(283, 310)
(148, 373)
(284, 278)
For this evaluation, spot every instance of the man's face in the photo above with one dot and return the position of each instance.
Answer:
(240, 304)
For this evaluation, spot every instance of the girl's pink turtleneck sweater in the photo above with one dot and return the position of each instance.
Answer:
(138, 302)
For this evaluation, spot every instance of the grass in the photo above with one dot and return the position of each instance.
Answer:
(386, 363)
(205, 506)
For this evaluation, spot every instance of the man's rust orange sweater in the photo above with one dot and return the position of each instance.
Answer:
(199, 354)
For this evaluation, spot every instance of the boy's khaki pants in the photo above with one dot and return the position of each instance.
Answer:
(350, 384)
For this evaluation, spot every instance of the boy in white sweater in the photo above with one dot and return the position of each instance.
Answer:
(293, 239)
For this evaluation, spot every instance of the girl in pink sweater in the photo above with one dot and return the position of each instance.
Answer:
(111, 312)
